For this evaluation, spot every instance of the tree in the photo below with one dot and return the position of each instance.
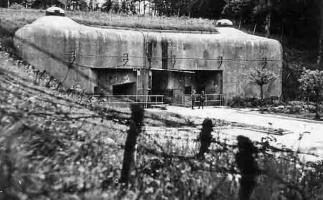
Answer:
(239, 11)
(169, 7)
(261, 77)
(107, 5)
(277, 17)
(8, 3)
(320, 54)
(206, 8)
(312, 83)
(265, 8)
(194, 8)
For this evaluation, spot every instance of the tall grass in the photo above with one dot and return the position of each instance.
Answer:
(25, 16)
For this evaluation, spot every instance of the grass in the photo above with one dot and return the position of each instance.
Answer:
(25, 16)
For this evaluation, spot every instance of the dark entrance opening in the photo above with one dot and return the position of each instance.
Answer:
(209, 81)
(116, 81)
(159, 82)
(124, 89)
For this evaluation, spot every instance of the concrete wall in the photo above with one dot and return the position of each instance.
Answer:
(51, 42)
(107, 78)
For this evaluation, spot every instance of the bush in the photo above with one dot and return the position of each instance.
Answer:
(251, 102)
(237, 101)
(168, 100)
(6, 44)
(256, 102)
(17, 6)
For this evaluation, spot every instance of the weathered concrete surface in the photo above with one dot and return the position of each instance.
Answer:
(50, 43)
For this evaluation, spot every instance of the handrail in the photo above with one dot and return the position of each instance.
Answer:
(210, 100)
(139, 95)
(145, 100)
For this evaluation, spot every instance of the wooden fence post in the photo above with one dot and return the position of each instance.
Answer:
(136, 122)
(58, 86)
(205, 137)
(245, 159)
(51, 78)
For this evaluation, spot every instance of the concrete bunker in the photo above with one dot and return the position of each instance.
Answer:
(138, 62)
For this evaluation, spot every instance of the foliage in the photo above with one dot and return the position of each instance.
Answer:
(16, 6)
(237, 101)
(18, 19)
(312, 82)
(253, 102)
(261, 77)
(239, 10)
(286, 18)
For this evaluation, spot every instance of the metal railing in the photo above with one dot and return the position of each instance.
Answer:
(210, 100)
(145, 100)
(155, 100)
(213, 100)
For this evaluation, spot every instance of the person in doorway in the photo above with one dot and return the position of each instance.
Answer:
(202, 99)
(216, 89)
(193, 96)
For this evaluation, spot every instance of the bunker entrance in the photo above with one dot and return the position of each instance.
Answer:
(174, 85)
(177, 86)
(209, 81)
(116, 82)
(159, 82)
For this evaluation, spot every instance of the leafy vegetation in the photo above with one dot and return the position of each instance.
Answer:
(312, 83)
(261, 77)
(19, 18)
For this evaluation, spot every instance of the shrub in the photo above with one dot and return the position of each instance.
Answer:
(7, 44)
(237, 101)
(17, 6)
(312, 83)
(168, 100)
(296, 109)
(261, 77)
(240, 102)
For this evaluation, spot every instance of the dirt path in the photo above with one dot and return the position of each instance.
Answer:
(310, 131)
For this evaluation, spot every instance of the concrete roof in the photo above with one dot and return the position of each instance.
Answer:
(67, 24)
(100, 43)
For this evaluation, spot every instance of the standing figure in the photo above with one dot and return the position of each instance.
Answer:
(205, 137)
(202, 99)
(193, 96)
(247, 164)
